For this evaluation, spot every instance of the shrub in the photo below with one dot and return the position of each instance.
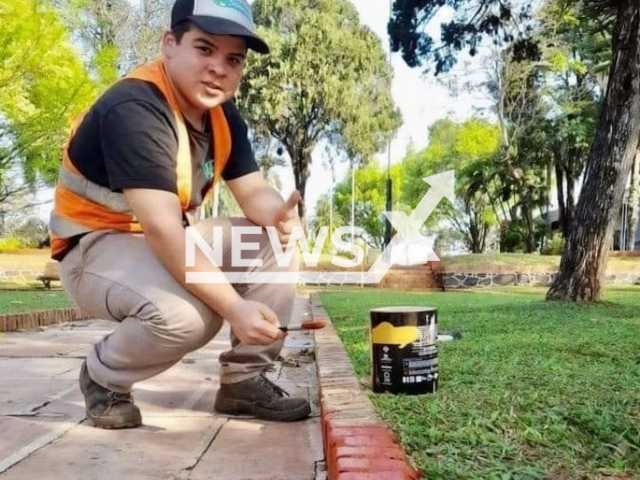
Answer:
(555, 246)
(512, 237)
(32, 231)
(11, 244)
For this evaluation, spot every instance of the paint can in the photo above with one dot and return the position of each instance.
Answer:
(404, 350)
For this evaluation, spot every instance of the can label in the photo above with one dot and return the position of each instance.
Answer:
(404, 356)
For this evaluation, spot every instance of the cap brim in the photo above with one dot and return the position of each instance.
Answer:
(221, 26)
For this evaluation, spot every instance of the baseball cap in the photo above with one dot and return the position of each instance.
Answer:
(220, 17)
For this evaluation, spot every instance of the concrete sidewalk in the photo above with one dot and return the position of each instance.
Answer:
(44, 433)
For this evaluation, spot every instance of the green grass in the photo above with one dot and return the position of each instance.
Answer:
(18, 301)
(534, 390)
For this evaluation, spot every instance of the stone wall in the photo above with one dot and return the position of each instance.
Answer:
(19, 276)
(470, 280)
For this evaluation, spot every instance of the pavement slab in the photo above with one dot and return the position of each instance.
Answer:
(161, 449)
(62, 340)
(253, 450)
(44, 433)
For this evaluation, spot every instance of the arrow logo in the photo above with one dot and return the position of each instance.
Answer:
(442, 185)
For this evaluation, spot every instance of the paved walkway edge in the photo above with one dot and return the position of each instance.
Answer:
(358, 445)
(39, 318)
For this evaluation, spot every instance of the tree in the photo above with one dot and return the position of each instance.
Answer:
(545, 101)
(117, 35)
(43, 86)
(474, 20)
(633, 203)
(612, 151)
(575, 49)
(547, 105)
(469, 148)
(519, 168)
(326, 82)
(326, 215)
(519, 174)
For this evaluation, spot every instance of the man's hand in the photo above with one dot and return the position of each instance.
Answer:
(254, 323)
(286, 218)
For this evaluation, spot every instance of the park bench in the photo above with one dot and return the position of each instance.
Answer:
(50, 273)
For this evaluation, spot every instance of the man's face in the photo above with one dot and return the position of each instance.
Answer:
(205, 69)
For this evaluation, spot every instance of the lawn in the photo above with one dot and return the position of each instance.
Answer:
(17, 301)
(533, 390)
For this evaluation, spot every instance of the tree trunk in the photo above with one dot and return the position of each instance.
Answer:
(561, 202)
(530, 241)
(474, 244)
(584, 258)
(570, 205)
(477, 230)
(634, 203)
(300, 159)
(484, 231)
(548, 235)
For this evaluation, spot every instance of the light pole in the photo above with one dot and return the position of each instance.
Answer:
(353, 199)
(387, 231)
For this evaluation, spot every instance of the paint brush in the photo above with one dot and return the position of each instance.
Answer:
(305, 326)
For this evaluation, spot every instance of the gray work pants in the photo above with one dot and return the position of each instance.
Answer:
(116, 276)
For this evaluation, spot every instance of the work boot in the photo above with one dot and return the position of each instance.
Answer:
(106, 408)
(261, 398)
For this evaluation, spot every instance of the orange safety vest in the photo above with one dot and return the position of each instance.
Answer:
(82, 206)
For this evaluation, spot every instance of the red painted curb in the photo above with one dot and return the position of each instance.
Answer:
(370, 476)
(391, 452)
(357, 443)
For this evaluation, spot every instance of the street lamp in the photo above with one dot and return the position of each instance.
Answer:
(387, 230)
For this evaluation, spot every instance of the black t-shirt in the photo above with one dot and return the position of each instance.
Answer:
(128, 139)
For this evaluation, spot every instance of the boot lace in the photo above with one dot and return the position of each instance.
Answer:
(268, 384)
(118, 397)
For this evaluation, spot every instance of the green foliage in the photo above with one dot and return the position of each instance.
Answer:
(533, 390)
(546, 91)
(32, 231)
(228, 205)
(555, 246)
(11, 244)
(556, 127)
(43, 86)
(512, 237)
(326, 80)
(115, 35)
(106, 64)
(326, 215)
(370, 199)
(469, 148)
(28, 301)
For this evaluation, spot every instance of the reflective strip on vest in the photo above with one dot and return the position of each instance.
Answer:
(66, 228)
(94, 192)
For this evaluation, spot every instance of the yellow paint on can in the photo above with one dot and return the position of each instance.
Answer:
(387, 334)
